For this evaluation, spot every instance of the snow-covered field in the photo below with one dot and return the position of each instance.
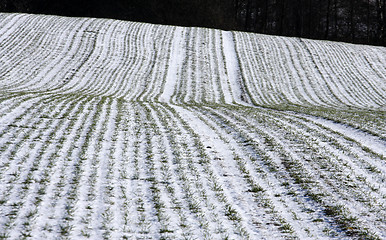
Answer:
(123, 130)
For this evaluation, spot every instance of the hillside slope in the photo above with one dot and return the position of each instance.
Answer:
(113, 129)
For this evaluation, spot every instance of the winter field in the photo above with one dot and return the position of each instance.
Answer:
(124, 130)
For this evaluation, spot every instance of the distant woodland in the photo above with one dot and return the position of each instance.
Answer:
(357, 21)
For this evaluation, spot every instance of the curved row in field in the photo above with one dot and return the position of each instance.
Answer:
(184, 65)
(123, 130)
(101, 168)
(279, 70)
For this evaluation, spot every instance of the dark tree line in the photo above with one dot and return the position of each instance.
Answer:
(206, 13)
(358, 21)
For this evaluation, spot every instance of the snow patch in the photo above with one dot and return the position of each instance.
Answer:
(175, 63)
(372, 142)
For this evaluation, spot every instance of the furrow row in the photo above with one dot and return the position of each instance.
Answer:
(349, 181)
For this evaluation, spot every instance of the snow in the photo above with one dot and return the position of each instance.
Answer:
(174, 66)
(114, 129)
(367, 140)
(232, 67)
